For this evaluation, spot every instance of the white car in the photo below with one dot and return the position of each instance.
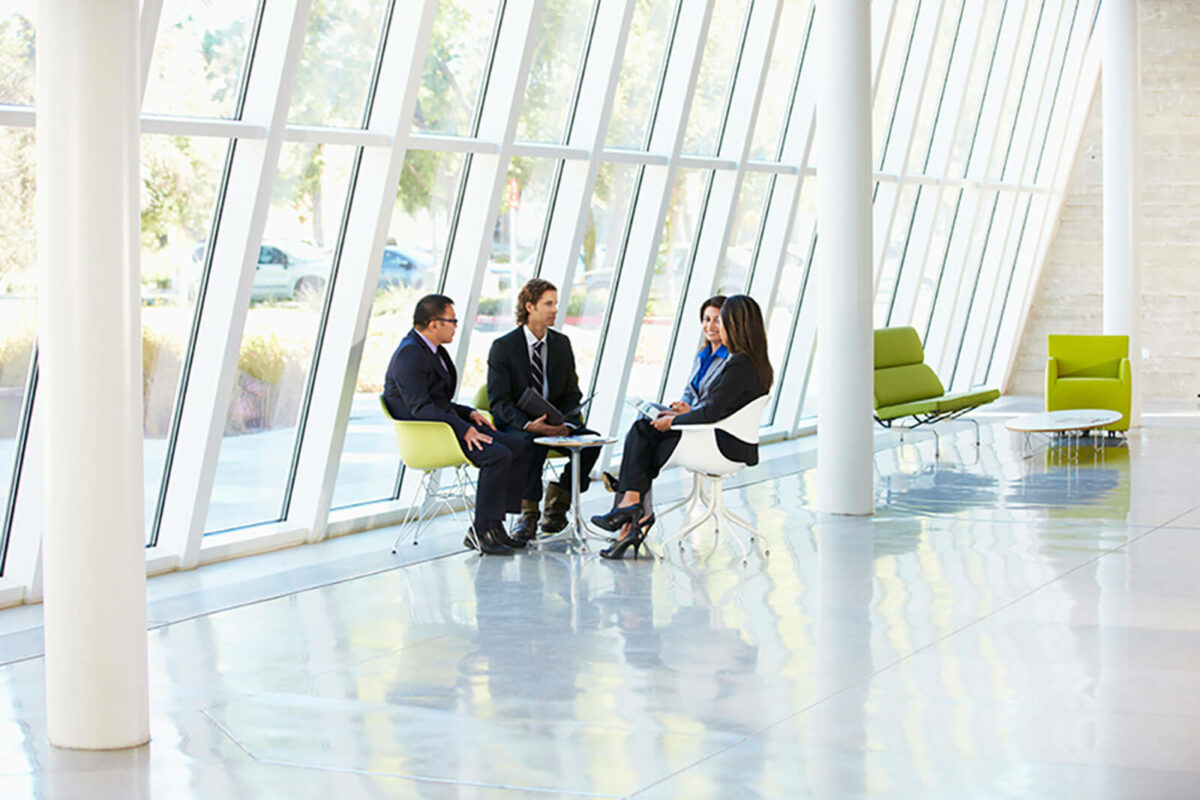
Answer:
(285, 270)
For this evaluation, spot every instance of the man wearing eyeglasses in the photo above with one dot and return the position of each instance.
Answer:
(420, 385)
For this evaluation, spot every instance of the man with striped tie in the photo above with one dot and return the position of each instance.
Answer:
(534, 355)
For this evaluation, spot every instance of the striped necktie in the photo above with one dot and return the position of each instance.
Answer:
(537, 370)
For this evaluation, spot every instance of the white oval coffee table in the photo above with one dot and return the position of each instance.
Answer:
(1071, 425)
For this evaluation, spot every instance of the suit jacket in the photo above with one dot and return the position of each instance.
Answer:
(690, 395)
(508, 377)
(418, 387)
(734, 385)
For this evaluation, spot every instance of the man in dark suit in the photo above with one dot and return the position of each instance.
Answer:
(535, 355)
(420, 384)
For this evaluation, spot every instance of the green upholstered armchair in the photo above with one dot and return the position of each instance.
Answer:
(1089, 372)
(905, 386)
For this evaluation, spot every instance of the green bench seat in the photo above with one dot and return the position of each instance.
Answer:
(905, 386)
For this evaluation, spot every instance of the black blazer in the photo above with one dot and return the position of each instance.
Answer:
(508, 377)
(417, 387)
(733, 387)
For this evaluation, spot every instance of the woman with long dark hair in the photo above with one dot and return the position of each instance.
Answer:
(744, 376)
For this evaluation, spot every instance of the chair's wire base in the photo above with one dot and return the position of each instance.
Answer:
(937, 440)
(707, 494)
(454, 498)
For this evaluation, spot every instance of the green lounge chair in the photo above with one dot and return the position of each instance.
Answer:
(1090, 372)
(907, 388)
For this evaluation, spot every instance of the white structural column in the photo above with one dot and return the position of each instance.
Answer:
(1122, 189)
(845, 340)
(89, 334)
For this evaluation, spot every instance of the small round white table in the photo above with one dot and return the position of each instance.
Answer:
(1070, 425)
(576, 527)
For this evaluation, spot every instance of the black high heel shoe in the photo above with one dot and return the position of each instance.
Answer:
(635, 539)
(613, 520)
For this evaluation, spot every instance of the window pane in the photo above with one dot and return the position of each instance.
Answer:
(735, 269)
(412, 265)
(932, 100)
(199, 56)
(180, 178)
(931, 270)
(552, 74)
(716, 73)
(978, 83)
(894, 253)
(583, 317)
(1033, 26)
(639, 73)
(17, 40)
(513, 260)
(794, 281)
(666, 287)
(462, 37)
(891, 74)
(777, 92)
(336, 63)
(18, 285)
(281, 327)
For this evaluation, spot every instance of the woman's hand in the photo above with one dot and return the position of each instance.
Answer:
(680, 407)
(663, 423)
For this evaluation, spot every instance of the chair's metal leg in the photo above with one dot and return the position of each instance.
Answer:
(976, 424)
(937, 444)
(464, 481)
(689, 500)
(722, 513)
(414, 513)
(708, 514)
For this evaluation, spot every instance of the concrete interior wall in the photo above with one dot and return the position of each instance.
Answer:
(1068, 295)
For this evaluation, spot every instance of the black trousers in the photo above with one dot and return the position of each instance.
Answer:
(646, 451)
(537, 459)
(502, 468)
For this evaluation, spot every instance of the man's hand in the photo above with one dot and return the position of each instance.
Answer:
(482, 420)
(663, 423)
(541, 428)
(476, 438)
(680, 407)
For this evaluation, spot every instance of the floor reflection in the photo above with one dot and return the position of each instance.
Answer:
(1000, 627)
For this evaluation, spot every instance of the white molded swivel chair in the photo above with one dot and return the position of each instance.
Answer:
(697, 452)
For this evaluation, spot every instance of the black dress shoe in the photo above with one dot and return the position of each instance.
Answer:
(526, 528)
(500, 535)
(610, 482)
(613, 520)
(487, 544)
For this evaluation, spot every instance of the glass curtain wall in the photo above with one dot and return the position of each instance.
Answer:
(970, 111)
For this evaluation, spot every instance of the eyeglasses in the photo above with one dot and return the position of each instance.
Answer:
(451, 320)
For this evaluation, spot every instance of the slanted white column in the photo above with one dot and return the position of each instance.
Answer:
(90, 379)
(1122, 187)
(845, 338)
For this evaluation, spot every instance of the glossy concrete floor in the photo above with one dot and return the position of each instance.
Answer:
(1002, 627)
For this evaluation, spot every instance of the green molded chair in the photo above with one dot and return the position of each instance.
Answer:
(481, 403)
(430, 447)
(906, 387)
(1090, 372)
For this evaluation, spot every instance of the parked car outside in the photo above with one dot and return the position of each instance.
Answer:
(285, 270)
(403, 268)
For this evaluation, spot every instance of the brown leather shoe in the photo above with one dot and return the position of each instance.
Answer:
(526, 528)
(555, 507)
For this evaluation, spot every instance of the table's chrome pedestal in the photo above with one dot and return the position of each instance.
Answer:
(577, 530)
